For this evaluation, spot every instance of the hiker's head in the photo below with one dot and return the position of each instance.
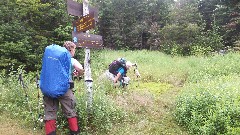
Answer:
(70, 46)
(128, 64)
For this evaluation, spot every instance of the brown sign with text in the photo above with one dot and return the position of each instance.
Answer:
(87, 40)
(84, 23)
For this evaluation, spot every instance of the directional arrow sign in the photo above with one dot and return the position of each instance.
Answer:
(95, 11)
(74, 8)
(84, 23)
(87, 40)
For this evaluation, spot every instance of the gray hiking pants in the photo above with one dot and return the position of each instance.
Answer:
(51, 105)
(109, 76)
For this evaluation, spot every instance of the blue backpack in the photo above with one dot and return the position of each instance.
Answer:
(56, 67)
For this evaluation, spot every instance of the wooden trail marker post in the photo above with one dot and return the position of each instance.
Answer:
(81, 37)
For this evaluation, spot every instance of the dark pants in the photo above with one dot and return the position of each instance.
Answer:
(51, 105)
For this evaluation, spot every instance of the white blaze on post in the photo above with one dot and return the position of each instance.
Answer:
(87, 75)
(85, 7)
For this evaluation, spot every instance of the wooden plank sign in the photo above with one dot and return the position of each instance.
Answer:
(86, 40)
(74, 8)
(84, 23)
(95, 11)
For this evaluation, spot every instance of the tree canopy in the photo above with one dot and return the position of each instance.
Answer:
(184, 27)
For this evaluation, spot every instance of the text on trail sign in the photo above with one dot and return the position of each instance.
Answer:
(84, 23)
(87, 40)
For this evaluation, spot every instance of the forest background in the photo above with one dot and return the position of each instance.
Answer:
(182, 27)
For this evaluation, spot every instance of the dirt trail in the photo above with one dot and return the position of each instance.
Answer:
(12, 127)
(154, 113)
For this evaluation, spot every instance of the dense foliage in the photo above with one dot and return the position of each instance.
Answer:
(27, 27)
(209, 103)
(180, 27)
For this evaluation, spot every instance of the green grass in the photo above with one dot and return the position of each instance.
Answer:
(209, 103)
(170, 88)
(155, 88)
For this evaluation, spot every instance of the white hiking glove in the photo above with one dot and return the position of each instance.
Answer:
(137, 73)
(126, 80)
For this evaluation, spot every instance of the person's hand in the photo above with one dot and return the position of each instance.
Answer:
(76, 73)
(115, 84)
(137, 73)
(81, 72)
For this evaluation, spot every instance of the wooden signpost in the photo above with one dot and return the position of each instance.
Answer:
(87, 18)
(85, 22)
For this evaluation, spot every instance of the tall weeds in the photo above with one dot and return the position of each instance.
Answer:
(208, 104)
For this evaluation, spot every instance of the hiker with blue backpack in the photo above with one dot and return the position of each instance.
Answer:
(56, 85)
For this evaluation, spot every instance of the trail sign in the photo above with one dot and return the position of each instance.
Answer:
(84, 23)
(95, 11)
(74, 8)
(87, 40)
(90, 15)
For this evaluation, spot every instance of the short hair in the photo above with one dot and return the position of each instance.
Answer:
(69, 45)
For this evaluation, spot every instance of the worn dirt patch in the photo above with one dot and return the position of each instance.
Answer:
(13, 127)
(134, 101)
(152, 112)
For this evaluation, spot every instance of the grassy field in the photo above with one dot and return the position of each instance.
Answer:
(147, 106)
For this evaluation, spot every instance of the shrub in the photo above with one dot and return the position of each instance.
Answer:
(210, 107)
